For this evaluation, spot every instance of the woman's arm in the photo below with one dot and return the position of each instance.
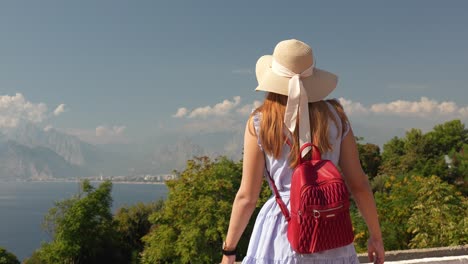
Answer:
(249, 190)
(359, 186)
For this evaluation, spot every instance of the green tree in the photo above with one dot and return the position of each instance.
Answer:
(193, 222)
(7, 257)
(416, 152)
(458, 164)
(392, 154)
(35, 258)
(81, 227)
(132, 223)
(425, 154)
(446, 137)
(393, 201)
(414, 212)
(439, 216)
(369, 155)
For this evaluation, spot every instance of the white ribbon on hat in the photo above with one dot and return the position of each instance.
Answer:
(297, 102)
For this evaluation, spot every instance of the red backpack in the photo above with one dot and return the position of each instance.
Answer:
(319, 200)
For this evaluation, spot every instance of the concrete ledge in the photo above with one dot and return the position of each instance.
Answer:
(441, 260)
(413, 254)
(443, 255)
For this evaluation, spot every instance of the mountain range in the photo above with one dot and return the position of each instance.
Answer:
(28, 152)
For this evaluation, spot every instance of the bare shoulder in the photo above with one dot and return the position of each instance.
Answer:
(250, 126)
(349, 156)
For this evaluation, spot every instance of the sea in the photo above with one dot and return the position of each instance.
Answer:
(23, 206)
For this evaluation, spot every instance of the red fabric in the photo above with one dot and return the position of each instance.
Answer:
(319, 218)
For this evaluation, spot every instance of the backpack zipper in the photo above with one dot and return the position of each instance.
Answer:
(318, 212)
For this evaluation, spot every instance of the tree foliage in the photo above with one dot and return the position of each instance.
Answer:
(393, 153)
(191, 226)
(81, 227)
(446, 137)
(369, 156)
(439, 216)
(417, 212)
(7, 257)
(426, 154)
(459, 168)
(131, 224)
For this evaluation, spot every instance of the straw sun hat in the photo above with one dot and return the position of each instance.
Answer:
(291, 71)
(296, 56)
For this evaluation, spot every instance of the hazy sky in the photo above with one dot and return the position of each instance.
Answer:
(119, 71)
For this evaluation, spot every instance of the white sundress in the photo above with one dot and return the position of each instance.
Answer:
(268, 242)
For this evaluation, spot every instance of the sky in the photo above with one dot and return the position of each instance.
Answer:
(127, 71)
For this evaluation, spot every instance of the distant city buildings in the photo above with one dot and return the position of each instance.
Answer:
(143, 178)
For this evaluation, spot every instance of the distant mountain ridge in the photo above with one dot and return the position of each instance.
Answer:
(28, 152)
(67, 146)
(19, 162)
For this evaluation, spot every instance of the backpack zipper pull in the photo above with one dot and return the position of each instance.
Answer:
(316, 213)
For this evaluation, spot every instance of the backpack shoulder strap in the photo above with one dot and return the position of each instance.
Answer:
(315, 150)
(279, 201)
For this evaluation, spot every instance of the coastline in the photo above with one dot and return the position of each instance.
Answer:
(92, 181)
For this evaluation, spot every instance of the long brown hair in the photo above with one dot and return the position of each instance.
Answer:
(272, 126)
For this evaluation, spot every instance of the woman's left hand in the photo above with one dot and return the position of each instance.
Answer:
(375, 250)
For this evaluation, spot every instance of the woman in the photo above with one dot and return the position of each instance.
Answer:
(295, 89)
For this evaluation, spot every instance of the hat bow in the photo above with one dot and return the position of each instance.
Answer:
(297, 102)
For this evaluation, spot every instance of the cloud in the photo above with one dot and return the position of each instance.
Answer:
(229, 115)
(423, 108)
(105, 131)
(181, 112)
(352, 108)
(226, 107)
(226, 116)
(219, 109)
(60, 109)
(14, 109)
(100, 135)
(248, 108)
(463, 111)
